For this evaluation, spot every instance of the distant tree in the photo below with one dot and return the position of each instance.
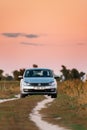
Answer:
(82, 74)
(8, 77)
(1, 74)
(35, 66)
(21, 71)
(75, 74)
(65, 73)
(71, 74)
(16, 73)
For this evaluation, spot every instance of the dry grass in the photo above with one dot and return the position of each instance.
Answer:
(9, 88)
(14, 115)
(71, 106)
(68, 110)
(73, 87)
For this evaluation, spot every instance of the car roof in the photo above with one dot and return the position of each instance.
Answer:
(38, 69)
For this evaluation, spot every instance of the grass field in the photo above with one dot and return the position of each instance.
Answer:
(9, 89)
(14, 115)
(70, 107)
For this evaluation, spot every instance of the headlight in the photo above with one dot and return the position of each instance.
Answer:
(52, 83)
(26, 84)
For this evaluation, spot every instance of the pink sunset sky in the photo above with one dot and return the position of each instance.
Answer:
(49, 33)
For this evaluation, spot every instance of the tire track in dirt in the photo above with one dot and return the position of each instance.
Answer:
(36, 117)
(10, 99)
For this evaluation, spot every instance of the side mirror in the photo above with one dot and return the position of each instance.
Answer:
(20, 76)
(56, 77)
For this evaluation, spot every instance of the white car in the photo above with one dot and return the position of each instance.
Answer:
(39, 81)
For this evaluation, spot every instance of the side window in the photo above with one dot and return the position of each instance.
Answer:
(28, 73)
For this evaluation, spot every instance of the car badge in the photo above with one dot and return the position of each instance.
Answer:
(39, 84)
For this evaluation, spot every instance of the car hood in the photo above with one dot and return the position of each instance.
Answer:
(39, 80)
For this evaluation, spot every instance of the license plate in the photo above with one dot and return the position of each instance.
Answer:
(39, 88)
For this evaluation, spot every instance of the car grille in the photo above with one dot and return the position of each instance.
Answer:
(39, 84)
(45, 90)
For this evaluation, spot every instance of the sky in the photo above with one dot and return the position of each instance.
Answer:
(49, 33)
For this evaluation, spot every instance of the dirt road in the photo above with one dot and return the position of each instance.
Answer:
(5, 100)
(35, 116)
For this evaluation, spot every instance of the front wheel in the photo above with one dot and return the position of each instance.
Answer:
(22, 95)
(54, 95)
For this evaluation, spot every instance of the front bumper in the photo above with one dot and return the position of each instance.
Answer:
(39, 90)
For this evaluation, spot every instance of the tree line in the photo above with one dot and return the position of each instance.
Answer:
(15, 76)
(66, 74)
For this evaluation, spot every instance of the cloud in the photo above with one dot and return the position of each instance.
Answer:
(81, 44)
(12, 35)
(31, 35)
(31, 44)
(15, 35)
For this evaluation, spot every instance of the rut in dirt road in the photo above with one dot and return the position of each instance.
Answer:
(35, 116)
(10, 99)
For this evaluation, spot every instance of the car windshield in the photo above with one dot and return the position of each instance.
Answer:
(38, 73)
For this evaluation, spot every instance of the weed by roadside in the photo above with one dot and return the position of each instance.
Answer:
(8, 89)
(69, 109)
(14, 115)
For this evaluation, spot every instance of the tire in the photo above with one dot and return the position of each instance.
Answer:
(22, 95)
(54, 95)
